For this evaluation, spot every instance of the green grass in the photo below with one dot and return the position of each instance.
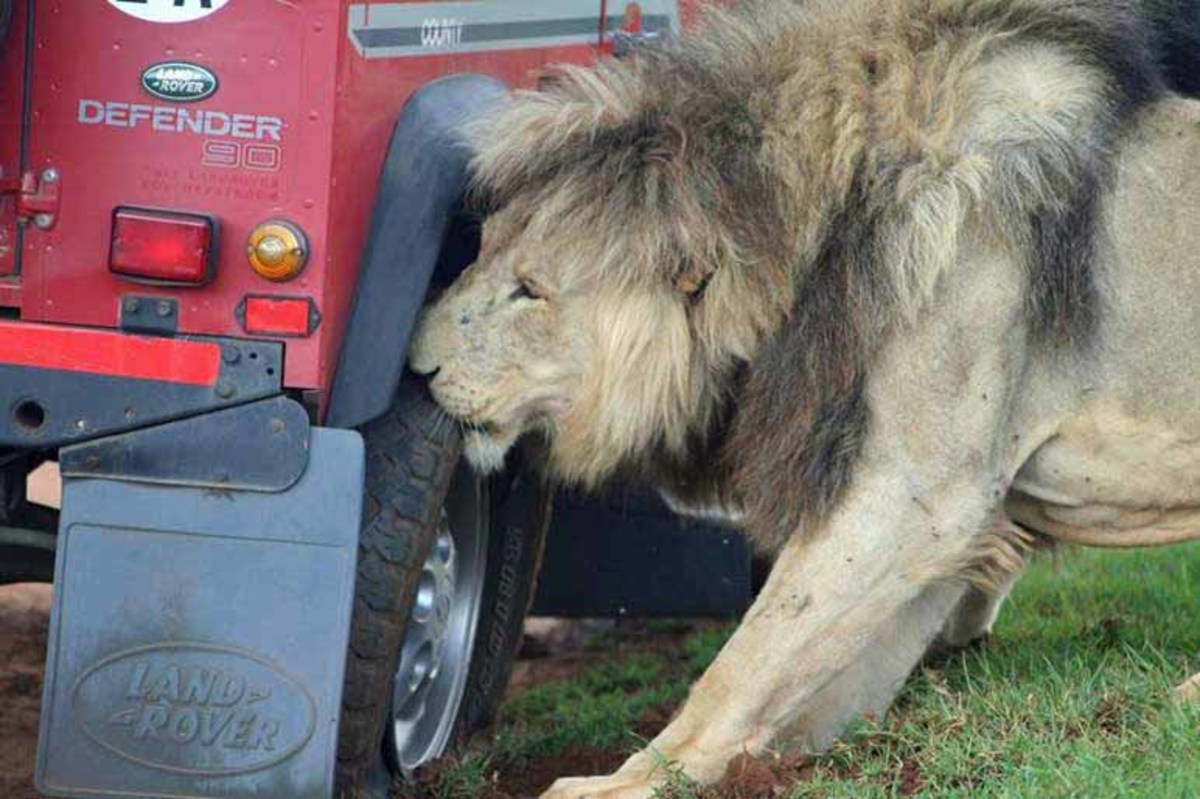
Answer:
(465, 779)
(596, 710)
(1071, 698)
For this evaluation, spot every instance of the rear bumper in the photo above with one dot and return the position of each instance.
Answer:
(64, 385)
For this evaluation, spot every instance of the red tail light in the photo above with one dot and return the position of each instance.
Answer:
(162, 246)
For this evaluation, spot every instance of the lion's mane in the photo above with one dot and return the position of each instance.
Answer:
(803, 173)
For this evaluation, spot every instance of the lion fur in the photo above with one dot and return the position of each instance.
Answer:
(794, 179)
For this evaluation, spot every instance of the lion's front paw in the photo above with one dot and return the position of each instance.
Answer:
(613, 787)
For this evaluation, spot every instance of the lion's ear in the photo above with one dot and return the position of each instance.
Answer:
(692, 279)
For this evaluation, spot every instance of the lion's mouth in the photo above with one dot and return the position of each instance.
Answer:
(486, 441)
(482, 428)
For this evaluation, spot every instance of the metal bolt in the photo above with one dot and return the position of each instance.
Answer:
(163, 308)
(43, 221)
(277, 426)
(50, 175)
(81, 424)
(231, 355)
(131, 305)
(225, 389)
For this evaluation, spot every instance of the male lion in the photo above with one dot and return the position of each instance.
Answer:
(901, 285)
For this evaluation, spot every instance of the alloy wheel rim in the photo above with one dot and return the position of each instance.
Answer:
(435, 658)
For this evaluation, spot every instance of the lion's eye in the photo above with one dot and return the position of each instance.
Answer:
(524, 291)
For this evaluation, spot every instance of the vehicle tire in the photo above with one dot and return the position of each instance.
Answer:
(521, 505)
(421, 671)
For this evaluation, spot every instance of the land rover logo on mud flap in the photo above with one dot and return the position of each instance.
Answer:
(179, 82)
(197, 709)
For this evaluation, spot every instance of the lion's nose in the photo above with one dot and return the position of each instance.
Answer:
(425, 370)
(421, 360)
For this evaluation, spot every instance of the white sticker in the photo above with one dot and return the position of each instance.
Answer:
(169, 11)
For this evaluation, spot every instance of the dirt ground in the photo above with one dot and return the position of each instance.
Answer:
(24, 616)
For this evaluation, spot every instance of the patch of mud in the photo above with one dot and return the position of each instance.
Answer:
(652, 721)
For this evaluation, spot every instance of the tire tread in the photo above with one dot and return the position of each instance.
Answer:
(411, 455)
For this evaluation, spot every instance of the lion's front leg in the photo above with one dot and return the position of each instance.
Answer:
(833, 634)
(851, 606)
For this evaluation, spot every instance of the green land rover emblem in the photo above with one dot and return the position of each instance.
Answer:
(179, 82)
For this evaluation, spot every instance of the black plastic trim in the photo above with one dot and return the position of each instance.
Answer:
(423, 181)
(261, 446)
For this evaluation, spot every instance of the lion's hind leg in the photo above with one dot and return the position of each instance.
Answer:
(1000, 560)
(971, 622)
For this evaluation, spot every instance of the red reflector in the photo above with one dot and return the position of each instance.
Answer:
(280, 316)
(103, 352)
(161, 247)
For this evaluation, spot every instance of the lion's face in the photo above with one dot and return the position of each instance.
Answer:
(505, 348)
(529, 338)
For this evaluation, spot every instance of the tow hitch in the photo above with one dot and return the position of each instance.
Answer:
(200, 624)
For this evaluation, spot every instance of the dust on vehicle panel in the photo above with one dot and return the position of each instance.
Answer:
(396, 30)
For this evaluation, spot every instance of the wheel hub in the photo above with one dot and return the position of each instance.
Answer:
(435, 657)
(424, 643)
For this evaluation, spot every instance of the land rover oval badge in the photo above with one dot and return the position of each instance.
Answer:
(179, 82)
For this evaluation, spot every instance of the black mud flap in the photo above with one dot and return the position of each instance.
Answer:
(198, 635)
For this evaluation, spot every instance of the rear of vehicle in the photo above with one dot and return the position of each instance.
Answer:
(218, 219)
